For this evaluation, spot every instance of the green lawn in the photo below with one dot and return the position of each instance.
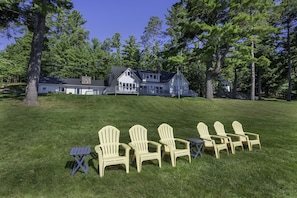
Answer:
(36, 141)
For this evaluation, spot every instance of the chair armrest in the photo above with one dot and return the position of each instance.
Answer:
(225, 137)
(98, 150)
(182, 140)
(218, 136)
(208, 140)
(155, 143)
(132, 145)
(163, 142)
(166, 144)
(126, 147)
(241, 135)
(186, 142)
(222, 138)
(233, 135)
(253, 134)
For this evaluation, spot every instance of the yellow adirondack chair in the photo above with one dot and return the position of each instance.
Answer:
(167, 139)
(210, 140)
(246, 137)
(109, 147)
(220, 130)
(140, 144)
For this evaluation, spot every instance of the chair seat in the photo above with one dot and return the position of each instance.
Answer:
(255, 142)
(222, 146)
(237, 143)
(180, 152)
(149, 156)
(114, 159)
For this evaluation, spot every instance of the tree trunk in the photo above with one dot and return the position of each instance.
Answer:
(259, 84)
(209, 85)
(253, 76)
(289, 97)
(35, 60)
(234, 92)
(209, 88)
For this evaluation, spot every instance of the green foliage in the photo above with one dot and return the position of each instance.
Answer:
(204, 39)
(151, 43)
(14, 60)
(36, 142)
(116, 44)
(9, 13)
(67, 54)
(131, 53)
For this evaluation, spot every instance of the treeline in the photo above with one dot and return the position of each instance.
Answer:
(251, 43)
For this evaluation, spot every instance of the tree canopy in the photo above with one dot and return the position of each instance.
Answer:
(250, 43)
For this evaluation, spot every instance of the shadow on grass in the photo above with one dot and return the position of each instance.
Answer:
(15, 95)
(12, 95)
(91, 161)
(72, 163)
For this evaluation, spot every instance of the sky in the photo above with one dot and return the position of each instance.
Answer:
(127, 17)
(107, 17)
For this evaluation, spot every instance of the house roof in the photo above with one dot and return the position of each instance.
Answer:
(133, 73)
(164, 76)
(71, 81)
(111, 79)
(116, 71)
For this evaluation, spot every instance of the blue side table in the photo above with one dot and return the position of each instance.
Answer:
(79, 154)
(196, 146)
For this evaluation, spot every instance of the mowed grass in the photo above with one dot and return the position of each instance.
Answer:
(35, 144)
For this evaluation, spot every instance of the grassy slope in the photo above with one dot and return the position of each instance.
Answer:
(36, 141)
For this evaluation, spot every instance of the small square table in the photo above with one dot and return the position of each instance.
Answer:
(196, 146)
(79, 154)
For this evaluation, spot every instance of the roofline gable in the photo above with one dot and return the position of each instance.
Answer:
(133, 75)
(182, 75)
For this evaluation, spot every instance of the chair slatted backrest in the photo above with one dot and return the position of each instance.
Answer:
(204, 134)
(237, 127)
(166, 135)
(219, 127)
(138, 136)
(109, 137)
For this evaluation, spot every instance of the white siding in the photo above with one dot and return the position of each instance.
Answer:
(126, 83)
(150, 77)
(178, 85)
(70, 90)
(48, 88)
(87, 91)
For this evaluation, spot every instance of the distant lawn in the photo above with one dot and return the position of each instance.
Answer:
(36, 141)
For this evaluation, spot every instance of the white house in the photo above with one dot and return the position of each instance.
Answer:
(147, 82)
(122, 80)
(83, 86)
